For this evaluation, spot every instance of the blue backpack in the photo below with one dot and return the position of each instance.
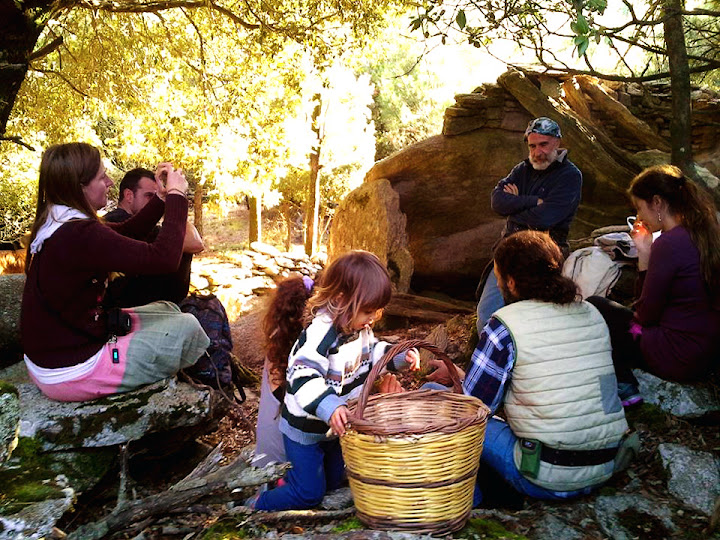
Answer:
(214, 368)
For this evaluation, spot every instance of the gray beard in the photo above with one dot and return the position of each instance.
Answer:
(545, 164)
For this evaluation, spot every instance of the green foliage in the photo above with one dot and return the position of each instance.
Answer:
(477, 529)
(17, 191)
(351, 524)
(229, 107)
(610, 38)
(230, 104)
(226, 529)
(460, 19)
(408, 103)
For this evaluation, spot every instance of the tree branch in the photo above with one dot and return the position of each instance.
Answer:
(17, 140)
(47, 49)
(128, 6)
(293, 516)
(61, 76)
(206, 479)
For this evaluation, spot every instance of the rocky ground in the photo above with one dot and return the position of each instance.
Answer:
(635, 504)
(644, 484)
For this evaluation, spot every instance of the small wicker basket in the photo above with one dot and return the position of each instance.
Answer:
(412, 458)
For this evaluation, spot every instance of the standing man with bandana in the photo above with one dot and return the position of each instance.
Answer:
(541, 193)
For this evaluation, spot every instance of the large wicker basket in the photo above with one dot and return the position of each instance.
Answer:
(412, 457)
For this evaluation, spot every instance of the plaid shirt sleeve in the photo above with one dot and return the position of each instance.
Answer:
(491, 365)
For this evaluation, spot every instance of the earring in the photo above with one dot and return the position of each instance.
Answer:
(659, 217)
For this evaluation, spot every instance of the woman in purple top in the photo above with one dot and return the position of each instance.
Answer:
(674, 331)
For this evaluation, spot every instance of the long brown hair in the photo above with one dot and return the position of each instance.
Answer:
(695, 209)
(353, 282)
(283, 323)
(64, 170)
(535, 262)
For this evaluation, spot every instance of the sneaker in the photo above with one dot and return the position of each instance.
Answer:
(251, 502)
(629, 394)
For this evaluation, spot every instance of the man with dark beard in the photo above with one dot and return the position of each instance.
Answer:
(136, 189)
(546, 358)
(541, 193)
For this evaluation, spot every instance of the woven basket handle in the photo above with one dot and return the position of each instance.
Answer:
(390, 354)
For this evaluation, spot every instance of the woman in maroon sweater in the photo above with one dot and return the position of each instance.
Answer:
(674, 331)
(74, 350)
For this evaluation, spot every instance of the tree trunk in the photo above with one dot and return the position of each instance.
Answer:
(312, 207)
(681, 121)
(286, 212)
(255, 220)
(197, 208)
(18, 35)
(421, 309)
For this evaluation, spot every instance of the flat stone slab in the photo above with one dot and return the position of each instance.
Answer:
(161, 406)
(38, 519)
(620, 515)
(9, 419)
(693, 477)
(682, 400)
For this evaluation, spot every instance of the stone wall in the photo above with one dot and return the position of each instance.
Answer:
(490, 106)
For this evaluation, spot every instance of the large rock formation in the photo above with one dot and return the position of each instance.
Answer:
(443, 185)
(11, 288)
(444, 182)
(370, 218)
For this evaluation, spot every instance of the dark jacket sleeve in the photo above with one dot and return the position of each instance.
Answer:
(109, 251)
(507, 204)
(656, 283)
(141, 224)
(560, 202)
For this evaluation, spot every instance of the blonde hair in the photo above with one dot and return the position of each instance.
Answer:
(356, 281)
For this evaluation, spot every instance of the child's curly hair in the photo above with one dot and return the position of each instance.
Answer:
(283, 323)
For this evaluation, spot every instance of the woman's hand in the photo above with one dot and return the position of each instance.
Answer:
(338, 420)
(176, 182)
(643, 238)
(412, 357)
(161, 174)
(441, 374)
(170, 179)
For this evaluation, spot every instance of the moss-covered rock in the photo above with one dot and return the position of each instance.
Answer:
(158, 407)
(37, 519)
(11, 288)
(31, 475)
(486, 528)
(38, 487)
(9, 419)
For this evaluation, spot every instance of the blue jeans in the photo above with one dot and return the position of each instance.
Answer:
(316, 469)
(491, 300)
(498, 454)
